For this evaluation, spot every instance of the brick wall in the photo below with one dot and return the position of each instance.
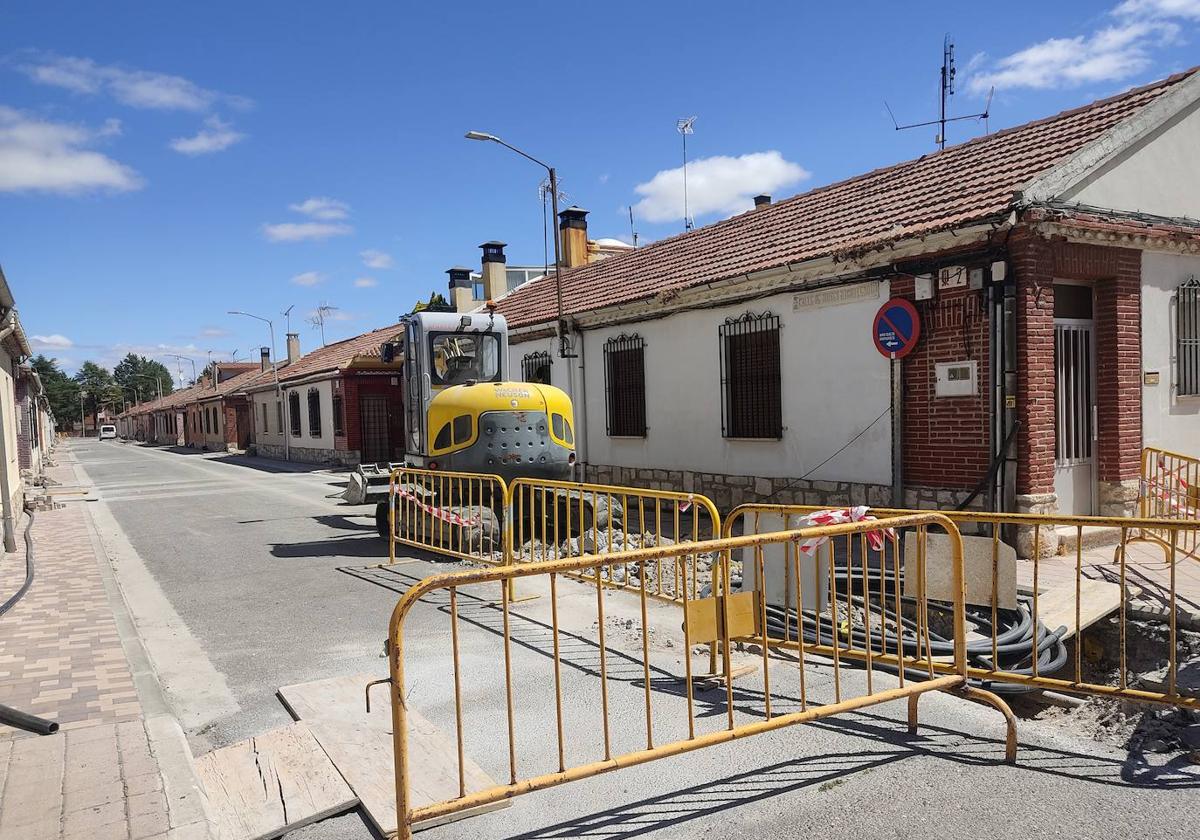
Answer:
(1031, 262)
(1118, 319)
(946, 440)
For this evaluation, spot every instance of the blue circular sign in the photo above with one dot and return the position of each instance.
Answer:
(897, 328)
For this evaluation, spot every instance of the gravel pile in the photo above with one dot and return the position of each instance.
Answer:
(599, 542)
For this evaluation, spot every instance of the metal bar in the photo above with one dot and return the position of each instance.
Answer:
(722, 736)
(458, 719)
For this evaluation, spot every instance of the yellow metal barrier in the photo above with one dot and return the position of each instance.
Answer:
(1169, 488)
(996, 656)
(641, 718)
(555, 520)
(454, 513)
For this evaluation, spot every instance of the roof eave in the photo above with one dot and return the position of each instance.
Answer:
(1145, 121)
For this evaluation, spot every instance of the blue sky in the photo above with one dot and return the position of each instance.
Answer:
(162, 163)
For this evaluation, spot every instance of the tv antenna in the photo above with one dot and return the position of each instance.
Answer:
(544, 193)
(684, 127)
(947, 90)
(317, 319)
(632, 229)
(287, 313)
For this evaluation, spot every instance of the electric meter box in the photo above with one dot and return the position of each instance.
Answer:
(956, 379)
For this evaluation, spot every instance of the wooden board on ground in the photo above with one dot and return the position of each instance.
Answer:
(271, 784)
(977, 568)
(1098, 598)
(360, 746)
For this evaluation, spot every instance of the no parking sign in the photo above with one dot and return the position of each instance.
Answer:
(896, 329)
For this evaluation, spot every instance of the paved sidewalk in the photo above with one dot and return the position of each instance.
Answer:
(111, 771)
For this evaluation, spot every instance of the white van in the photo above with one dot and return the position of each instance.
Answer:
(108, 432)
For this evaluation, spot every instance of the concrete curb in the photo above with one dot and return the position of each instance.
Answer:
(187, 804)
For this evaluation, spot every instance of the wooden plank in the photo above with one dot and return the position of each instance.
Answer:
(977, 570)
(1098, 598)
(360, 746)
(271, 784)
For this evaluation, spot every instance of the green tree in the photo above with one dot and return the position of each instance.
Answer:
(139, 378)
(436, 303)
(97, 384)
(61, 390)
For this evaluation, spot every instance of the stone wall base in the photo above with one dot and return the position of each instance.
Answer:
(308, 455)
(1118, 498)
(1047, 538)
(728, 491)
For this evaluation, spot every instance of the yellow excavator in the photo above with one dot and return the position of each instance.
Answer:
(462, 413)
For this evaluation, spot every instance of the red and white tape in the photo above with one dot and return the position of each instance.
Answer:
(437, 512)
(858, 513)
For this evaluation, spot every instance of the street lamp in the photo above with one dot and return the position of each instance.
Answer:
(186, 359)
(82, 422)
(563, 342)
(287, 447)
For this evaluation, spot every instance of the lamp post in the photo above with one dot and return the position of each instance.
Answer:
(82, 416)
(287, 447)
(186, 359)
(562, 331)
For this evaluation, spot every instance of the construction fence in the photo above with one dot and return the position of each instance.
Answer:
(1027, 636)
(482, 519)
(590, 705)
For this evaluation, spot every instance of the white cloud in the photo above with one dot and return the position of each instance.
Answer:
(721, 184)
(365, 282)
(376, 259)
(308, 278)
(322, 207)
(55, 341)
(1187, 9)
(300, 231)
(135, 88)
(39, 155)
(1110, 54)
(213, 332)
(217, 135)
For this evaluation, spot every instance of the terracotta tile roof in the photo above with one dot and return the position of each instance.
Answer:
(235, 383)
(968, 183)
(335, 356)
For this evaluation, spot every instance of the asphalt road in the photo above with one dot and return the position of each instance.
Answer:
(231, 569)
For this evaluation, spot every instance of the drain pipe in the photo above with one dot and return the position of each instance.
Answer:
(581, 420)
(6, 505)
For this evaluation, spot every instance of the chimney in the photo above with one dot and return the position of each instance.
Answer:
(462, 297)
(495, 280)
(293, 344)
(265, 355)
(573, 227)
(761, 200)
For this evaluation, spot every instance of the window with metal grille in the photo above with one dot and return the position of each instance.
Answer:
(535, 367)
(625, 385)
(1187, 337)
(751, 382)
(279, 415)
(314, 413)
(266, 426)
(294, 412)
(339, 423)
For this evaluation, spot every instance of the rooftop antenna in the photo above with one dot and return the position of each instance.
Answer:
(632, 229)
(317, 319)
(287, 313)
(544, 192)
(947, 90)
(684, 127)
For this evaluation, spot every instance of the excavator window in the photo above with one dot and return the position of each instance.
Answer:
(461, 357)
(462, 428)
(561, 427)
(442, 441)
